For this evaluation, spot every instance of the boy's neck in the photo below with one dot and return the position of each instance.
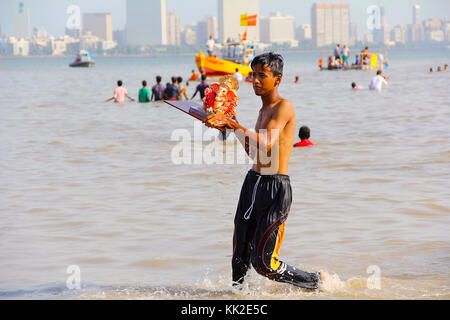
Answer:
(270, 98)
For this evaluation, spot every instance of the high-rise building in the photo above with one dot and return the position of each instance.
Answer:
(99, 25)
(353, 34)
(22, 28)
(446, 29)
(146, 22)
(433, 30)
(416, 31)
(416, 14)
(119, 37)
(303, 32)
(173, 29)
(278, 29)
(229, 17)
(382, 34)
(189, 35)
(330, 23)
(205, 29)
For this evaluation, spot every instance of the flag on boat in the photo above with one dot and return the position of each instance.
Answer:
(248, 20)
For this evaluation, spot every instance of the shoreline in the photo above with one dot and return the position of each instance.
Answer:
(143, 56)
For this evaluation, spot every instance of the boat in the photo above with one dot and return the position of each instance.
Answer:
(376, 62)
(234, 55)
(83, 60)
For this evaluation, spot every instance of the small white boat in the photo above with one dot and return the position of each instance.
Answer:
(84, 59)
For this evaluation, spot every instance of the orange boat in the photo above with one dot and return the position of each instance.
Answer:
(235, 55)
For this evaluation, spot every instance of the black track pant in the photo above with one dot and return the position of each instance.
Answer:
(261, 214)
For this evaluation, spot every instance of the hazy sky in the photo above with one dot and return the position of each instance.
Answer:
(51, 14)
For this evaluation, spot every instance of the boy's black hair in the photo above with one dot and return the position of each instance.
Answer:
(203, 77)
(144, 83)
(353, 84)
(119, 83)
(174, 79)
(273, 60)
(304, 133)
(379, 72)
(179, 79)
(158, 79)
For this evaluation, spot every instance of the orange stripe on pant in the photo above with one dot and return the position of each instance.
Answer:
(274, 262)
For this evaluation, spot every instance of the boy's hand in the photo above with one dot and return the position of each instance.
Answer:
(216, 120)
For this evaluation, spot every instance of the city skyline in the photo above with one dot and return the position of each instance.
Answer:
(330, 23)
(51, 14)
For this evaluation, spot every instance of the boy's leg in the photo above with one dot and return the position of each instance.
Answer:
(243, 233)
(267, 242)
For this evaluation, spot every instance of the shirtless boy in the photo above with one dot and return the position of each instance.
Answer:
(266, 194)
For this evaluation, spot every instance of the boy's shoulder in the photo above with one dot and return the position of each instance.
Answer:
(284, 105)
(283, 108)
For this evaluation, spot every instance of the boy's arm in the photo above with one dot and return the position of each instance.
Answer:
(264, 138)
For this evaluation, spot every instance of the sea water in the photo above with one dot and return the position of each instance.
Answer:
(93, 204)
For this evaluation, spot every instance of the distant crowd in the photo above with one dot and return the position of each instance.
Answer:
(340, 58)
(174, 90)
(439, 69)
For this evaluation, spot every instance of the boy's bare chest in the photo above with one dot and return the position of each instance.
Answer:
(264, 118)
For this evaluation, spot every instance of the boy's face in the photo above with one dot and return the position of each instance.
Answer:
(263, 80)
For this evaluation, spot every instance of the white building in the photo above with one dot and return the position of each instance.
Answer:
(416, 14)
(278, 29)
(446, 30)
(173, 29)
(303, 32)
(206, 28)
(21, 47)
(189, 35)
(434, 30)
(330, 24)
(40, 33)
(22, 28)
(399, 34)
(229, 18)
(59, 46)
(416, 31)
(146, 22)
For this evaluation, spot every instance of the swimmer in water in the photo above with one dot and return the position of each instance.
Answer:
(120, 93)
(266, 195)
(377, 82)
(304, 133)
(356, 87)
